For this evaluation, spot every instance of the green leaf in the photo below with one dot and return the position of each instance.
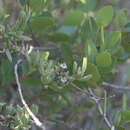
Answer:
(87, 5)
(127, 47)
(67, 55)
(41, 23)
(32, 81)
(104, 15)
(33, 4)
(81, 84)
(113, 39)
(89, 29)
(124, 102)
(121, 18)
(90, 50)
(75, 67)
(117, 118)
(125, 116)
(37, 4)
(85, 78)
(83, 1)
(63, 34)
(73, 18)
(120, 128)
(58, 37)
(6, 71)
(103, 59)
(84, 65)
(92, 70)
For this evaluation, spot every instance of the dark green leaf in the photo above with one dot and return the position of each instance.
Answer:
(73, 18)
(7, 72)
(58, 37)
(103, 59)
(67, 55)
(125, 116)
(41, 23)
(92, 69)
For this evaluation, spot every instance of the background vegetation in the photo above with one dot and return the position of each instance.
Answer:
(64, 65)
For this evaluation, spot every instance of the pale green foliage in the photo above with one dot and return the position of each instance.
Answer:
(87, 55)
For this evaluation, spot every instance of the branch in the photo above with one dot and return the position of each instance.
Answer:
(97, 101)
(119, 87)
(92, 96)
(35, 119)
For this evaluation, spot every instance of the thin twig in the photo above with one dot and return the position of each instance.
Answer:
(119, 87)
(35, 119)
(97, 101)
(100, 109)
(86, 92)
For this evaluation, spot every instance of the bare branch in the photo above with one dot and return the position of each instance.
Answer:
(100, 109)
(119, 87)
(35, 119)
(97, 101)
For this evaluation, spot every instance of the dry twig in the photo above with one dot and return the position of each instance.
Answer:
(35, 119)
(119, 87)
(97, 101)
(92, 96)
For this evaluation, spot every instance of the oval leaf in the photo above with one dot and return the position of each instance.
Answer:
(41, 23)
(92, 70)
(74, 18)
(103, 59)
(104, 15)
